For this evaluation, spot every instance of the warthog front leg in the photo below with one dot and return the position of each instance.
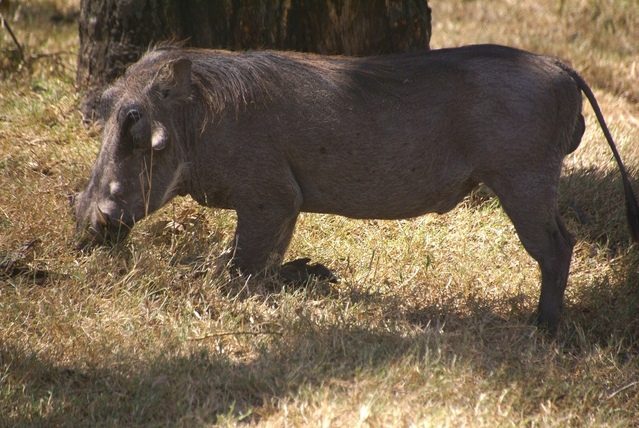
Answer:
(264, 230)
(261, 242)
(261, 238)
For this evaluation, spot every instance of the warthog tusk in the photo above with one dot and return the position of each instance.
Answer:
(101, 217)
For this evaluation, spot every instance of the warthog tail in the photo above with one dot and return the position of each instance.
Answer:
(632, 208)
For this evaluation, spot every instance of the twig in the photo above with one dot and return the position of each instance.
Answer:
(623, 388)
(236, 333)
(6, 25)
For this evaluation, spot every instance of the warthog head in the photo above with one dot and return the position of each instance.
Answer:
(141, 164)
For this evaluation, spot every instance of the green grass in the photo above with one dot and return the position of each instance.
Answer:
(429, 325)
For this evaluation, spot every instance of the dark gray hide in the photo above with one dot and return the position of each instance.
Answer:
(271, 134)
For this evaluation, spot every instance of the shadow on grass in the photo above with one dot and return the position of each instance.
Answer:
(592, 201)
(605, 311)
(197, 388)
(204, 385)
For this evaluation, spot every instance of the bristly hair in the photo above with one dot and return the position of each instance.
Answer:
(168, 44)
(227, 82)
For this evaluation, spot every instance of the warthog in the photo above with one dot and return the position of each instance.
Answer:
(272, 134)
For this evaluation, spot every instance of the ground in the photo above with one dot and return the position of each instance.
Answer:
(429, 325)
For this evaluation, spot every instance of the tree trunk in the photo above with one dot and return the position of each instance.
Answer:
(115, 33)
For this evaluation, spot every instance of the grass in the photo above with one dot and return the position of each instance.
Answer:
(429, 325)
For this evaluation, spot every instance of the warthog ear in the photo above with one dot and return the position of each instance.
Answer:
(182, 72)
(176, 81)
(106, 102)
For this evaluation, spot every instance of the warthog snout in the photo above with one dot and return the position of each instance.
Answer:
(101, 228)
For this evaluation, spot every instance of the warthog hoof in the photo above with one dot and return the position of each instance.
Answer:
(550, 325)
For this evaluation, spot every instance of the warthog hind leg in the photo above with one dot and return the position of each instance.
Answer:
(533, 211)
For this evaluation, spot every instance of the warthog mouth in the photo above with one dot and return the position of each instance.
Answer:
(108, 234)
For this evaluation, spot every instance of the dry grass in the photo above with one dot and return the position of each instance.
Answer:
(429, 325)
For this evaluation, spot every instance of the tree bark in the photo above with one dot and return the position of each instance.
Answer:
(115, 33)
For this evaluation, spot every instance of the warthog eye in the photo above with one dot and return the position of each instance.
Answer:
(133, 116)
(135, 128)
